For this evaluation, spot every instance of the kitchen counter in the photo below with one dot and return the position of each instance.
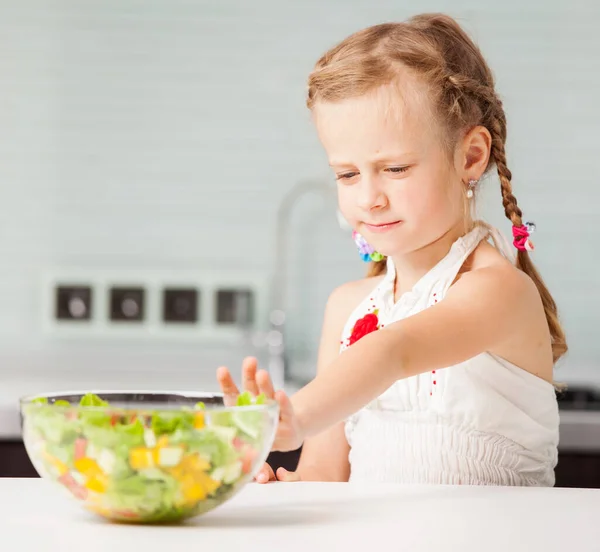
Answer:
(320, 516)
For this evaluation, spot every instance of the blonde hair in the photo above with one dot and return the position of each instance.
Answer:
(462, 94)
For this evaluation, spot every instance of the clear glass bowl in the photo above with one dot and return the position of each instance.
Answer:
(147, 457)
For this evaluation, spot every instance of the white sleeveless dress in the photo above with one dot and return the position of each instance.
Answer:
(482, 422)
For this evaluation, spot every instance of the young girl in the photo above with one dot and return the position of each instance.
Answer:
(448, 345)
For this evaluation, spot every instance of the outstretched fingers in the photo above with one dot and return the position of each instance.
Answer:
(249, 383)
(228, 387)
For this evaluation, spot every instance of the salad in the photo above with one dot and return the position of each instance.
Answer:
(146, 465)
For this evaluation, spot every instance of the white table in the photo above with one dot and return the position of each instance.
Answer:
(307, 517)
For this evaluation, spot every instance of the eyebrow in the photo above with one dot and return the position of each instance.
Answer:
(384, 158)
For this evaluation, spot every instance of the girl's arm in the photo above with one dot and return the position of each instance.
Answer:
(324, 455)
(491, 309)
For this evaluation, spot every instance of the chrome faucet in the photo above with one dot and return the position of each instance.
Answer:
(275, 342)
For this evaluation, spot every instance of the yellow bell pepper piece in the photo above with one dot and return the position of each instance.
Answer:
(199, 420)
(141, 457)
(192, 490)
(60, 466)
(88, 467)
(195, 462)
(190, 464)
(207, 482)
(97, 484)
(196, 484)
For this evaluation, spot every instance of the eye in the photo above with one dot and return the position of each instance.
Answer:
(397, 170)
(345, 176)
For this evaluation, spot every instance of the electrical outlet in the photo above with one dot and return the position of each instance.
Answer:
(235, 306)
(156, 304)
(73, 302)
(180, 305)
(127, 304)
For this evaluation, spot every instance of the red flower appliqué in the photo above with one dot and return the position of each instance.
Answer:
(363, 326)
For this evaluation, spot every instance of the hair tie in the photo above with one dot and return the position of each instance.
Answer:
(521, 236)
(366, 251)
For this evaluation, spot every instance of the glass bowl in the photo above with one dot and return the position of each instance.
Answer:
(147, 457)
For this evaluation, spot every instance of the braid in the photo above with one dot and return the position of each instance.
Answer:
(512, 211)
(509, 201)
(467, 92)
(377, 267)
(465, 97)
(491, 113)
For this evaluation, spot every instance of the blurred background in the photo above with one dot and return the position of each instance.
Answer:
(166, 207)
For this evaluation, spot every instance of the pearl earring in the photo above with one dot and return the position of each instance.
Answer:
(472, 184)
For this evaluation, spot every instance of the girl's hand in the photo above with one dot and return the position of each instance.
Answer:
(267, 475)
(289, 434)
(249, 382)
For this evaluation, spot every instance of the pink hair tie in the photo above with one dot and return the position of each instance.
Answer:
(521, 237)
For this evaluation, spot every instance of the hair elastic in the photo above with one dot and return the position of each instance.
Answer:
(521, 236)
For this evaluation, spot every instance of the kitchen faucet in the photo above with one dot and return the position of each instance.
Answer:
(274, 340)
(276, 343)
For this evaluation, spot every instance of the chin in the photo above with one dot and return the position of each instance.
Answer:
(397, 248)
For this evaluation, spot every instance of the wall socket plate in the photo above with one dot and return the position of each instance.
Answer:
(154, 282)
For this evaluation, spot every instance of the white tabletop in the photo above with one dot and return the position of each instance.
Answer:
(290, 517)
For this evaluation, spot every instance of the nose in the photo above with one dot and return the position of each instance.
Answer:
(371, 195)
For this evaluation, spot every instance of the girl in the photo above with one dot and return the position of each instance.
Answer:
(448, 345)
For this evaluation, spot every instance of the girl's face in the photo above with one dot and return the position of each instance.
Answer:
(396, 184)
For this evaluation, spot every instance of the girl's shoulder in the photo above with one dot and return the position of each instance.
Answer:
(486, 260)
(513, 296)
(515, 288)
(344, 299)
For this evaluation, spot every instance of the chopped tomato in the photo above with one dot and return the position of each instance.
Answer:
(126, 514)
(70, 483)
(248, 459)
(80, 448)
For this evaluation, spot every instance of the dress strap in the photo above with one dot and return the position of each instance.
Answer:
(447, 270)
(440, 277)
(500, 242)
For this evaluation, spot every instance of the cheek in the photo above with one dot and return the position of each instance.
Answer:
(433, 195)
(346, 204)
(419, 200)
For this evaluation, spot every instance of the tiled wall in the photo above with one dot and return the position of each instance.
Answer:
(163, 134)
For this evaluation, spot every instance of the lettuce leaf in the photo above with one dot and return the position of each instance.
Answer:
(89, 399)
(139, 493)
(246, 399)
(169, 422)
(53, 425)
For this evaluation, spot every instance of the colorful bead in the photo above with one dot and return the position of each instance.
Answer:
(367, 252)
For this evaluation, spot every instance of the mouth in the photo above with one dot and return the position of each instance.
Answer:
(382, 227)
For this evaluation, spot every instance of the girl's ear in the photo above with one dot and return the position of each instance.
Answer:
(473, 154)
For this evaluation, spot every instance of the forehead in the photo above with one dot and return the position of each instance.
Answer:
(390, 118)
